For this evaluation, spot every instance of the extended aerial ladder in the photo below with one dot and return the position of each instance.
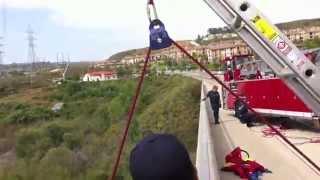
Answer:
(285, 59)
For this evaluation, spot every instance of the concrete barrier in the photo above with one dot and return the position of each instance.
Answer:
(206, 160)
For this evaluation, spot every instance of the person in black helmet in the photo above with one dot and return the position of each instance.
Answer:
(161, 157)
(214, 97)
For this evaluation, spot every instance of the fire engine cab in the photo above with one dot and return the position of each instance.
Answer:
(255, 82)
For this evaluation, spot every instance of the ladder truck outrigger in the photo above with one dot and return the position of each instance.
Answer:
(291, 65)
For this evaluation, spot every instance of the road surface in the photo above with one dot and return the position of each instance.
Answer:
(272, 152)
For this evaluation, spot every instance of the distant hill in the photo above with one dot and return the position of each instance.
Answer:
(299, 23)
(120, 55)
(283, 26)
(142, 51)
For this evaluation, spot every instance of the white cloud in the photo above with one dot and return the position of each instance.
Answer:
(184, 17)
(26, 4)
(127, 20)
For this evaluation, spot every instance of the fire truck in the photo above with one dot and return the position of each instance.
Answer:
(255, 82)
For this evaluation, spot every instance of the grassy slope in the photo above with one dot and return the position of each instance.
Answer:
(80, 141)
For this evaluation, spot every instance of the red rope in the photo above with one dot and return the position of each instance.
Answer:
(250, 108)
(269, 133)
(130, 116)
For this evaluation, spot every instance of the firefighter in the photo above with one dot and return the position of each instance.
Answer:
(161, 157)
(214, 97)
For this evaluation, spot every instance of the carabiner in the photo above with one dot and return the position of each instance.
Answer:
(151, 3)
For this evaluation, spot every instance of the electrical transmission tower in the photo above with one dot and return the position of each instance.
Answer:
(31, 49)
(31, 53)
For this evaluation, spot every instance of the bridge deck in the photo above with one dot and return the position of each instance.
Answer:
(273, 153)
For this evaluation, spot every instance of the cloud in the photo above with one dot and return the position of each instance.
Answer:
(26, 4)
(125, 21)
(124, 14)
(187, 16)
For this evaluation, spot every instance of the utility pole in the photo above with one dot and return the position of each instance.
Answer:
(31, 51)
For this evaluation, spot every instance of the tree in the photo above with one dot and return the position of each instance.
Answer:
(124, 72)
(310, 44)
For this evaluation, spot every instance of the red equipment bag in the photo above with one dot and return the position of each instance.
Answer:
(240, 167)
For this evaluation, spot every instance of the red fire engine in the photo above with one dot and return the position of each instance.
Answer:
(258, 85)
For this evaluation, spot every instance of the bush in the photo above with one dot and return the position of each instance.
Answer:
(55, 132)
(72, 140)
(72, 88)
(26, 145)
(26, 115)
(57, 164)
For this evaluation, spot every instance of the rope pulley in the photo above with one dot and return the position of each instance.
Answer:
(159, 37)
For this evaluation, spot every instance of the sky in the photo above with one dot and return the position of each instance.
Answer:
(93, 30)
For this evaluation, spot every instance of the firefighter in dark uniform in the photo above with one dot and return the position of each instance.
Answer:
(214, 97)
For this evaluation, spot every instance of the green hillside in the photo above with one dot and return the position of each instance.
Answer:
(299, 24)
(80, 141)
(121, 55)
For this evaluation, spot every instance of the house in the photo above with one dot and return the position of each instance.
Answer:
(100, 76)
(220, 50)
(170, 52)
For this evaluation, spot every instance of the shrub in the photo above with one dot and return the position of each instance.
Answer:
(26, 143)
(27, 115)
(55, 132)
(72, 87)
(57, 164)
(72, 140)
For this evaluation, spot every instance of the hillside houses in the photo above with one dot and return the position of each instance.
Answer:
(302, 33)
(214, 52)
(221, 44)
(219, 51)
(100, 76)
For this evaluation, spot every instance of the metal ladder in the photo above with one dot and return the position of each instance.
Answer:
(283, 57)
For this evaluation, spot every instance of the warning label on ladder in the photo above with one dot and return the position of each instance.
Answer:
(282, 45)
(265, 28)
(270, 32)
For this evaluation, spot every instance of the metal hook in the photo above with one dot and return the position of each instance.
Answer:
(151, 3)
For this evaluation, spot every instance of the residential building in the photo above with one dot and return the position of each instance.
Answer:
(100, 76)
(218, 51)
(302, 33)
